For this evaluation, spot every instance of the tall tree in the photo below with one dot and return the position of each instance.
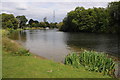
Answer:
(9, 21)
(22, 20)
(33, 23)
(114, 12)
(30, 21)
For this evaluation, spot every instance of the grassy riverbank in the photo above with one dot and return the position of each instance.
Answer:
(31, 66)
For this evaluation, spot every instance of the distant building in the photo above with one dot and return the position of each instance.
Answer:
(47, 28)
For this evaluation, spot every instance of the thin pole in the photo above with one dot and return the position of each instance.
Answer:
(53, 16)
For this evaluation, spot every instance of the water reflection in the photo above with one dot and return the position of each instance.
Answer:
(107, 43)
(21, 36)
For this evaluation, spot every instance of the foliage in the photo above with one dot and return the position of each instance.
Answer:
(22, 20)
(4, 32)
(72, 59)
(114, 13)
(101, 20)
(33, 23)
(53, 25)
(93, 61)
(8, 31)
(59, 25)
(43, 24)
(9, 21)
(97, 62)
(87, 20)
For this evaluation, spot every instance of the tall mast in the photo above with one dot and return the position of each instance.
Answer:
(53, 16)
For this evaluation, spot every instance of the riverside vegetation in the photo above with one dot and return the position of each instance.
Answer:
(92, 61)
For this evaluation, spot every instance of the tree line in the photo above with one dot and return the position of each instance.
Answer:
(100, 20)
(35, 23)
(10, 21)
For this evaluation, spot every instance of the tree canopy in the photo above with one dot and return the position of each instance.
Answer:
(22, 20)
(93, 19)
(114, 12)
(33, 23)
(9, 21)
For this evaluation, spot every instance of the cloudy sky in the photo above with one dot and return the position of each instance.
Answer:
(38, 9)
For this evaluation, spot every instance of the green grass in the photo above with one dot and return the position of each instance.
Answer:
(16, 66)
(34, 67)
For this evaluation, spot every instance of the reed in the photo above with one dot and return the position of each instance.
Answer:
(92, 61)
(72, 59)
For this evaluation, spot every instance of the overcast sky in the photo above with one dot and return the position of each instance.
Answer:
(38, 9)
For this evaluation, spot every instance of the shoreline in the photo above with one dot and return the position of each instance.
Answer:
(33, 54)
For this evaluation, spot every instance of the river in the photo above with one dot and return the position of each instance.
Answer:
(55, 45)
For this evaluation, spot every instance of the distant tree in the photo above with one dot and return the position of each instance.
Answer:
(59, 25)
(33, 23)
(42, 24)
(53, 25)
(36, 21)
(30, 21)
(9, 21)
(22, 20)
(47, 24)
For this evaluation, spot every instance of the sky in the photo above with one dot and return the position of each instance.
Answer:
(38, 9)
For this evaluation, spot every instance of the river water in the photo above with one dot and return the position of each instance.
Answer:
(55, 45)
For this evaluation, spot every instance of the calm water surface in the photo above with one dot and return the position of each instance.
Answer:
(55, 45)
